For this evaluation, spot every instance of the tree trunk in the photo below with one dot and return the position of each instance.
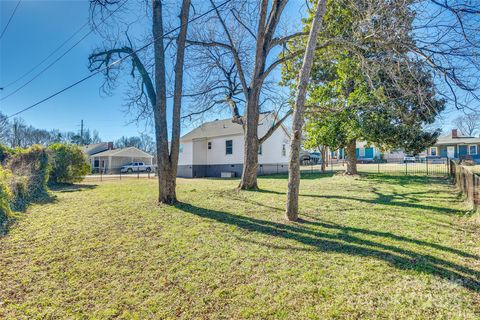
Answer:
(323, 153)
(167, 158)
(177, 101)
(250, 161)
(298, 110)
(351, 158)
(165, 194)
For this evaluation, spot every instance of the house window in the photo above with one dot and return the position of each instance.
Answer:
(472, 149)
(229, 147)
(361, 152)
(433, 151)
(284, 150)
(260, 149)
(180, 148)
(209, 145)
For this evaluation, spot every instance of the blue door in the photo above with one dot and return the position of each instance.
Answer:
(369, 153)
(462, 151)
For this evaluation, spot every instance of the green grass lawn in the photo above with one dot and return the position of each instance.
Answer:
(369, 247)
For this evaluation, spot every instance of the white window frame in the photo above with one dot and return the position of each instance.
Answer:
(476, 149)
(436, 151)
(260, 149)
(228, 154)
(209, 145)
(284, 150)
(361, 152)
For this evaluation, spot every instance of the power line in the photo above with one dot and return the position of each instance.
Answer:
(115, 62)
(47, 57)
(10, 19)
(61, 56)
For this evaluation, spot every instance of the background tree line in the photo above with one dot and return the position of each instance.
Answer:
(16, 133)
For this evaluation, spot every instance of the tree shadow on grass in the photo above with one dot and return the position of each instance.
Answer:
(72, 187)
(305, 175)
(346, 243)
(394, 199)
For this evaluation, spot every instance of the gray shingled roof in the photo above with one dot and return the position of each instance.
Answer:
(125, 152)
(449, 140)
(215, 128)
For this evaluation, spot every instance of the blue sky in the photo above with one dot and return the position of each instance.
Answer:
(36, 29)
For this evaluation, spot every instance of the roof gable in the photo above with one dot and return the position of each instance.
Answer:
(124, 152)
(224, 127)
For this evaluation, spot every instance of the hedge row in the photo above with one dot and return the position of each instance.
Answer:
(26, 173)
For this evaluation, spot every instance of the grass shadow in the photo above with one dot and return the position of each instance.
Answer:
(72, 187)
(346, 243)
(396, 199)
(306, 175)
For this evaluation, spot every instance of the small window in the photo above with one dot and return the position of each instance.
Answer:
(433, 151)
(209, 145)
(260, 149)
(472, 149)
(361, 152)
(284, 150)
(180, 148)
(229, 147)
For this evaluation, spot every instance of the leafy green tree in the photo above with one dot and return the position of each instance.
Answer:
(69, 164)
(367, 87)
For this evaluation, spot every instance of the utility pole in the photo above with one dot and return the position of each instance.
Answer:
(15, 135)
(81, 132)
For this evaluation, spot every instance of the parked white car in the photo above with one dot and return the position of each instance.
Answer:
(136, 167)
(409, 159)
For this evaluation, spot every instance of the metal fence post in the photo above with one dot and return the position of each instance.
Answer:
(138, 172)
(406, 168)
(426, 164)
(378, 167)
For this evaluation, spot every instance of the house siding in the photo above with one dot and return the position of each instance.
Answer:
(196, 160)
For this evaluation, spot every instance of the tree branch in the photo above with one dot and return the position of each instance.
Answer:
(275, 127)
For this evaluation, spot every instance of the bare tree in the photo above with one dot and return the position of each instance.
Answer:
(241, 46)
(153, 87)
(298, 113)
(5, 128)
(469, 124)
(447, 38)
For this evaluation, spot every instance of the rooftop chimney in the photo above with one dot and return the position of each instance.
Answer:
(110, 145)
(454, 133)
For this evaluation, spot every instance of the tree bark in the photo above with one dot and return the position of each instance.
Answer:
(351, 158)
(323, 153)
(167, 158)
(250, 161)
(177, 101)
(291, 212)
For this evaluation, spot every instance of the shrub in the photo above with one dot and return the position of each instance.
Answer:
(5, 153)
(5, 196)
(69, 163)
(31, 169)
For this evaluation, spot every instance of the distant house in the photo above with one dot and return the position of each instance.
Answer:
(91, 149)
(366, 152)
(218, 146)
(456, 146)
(103, 158)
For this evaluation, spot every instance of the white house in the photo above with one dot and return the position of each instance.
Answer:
(218, 146)
(104, 158)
